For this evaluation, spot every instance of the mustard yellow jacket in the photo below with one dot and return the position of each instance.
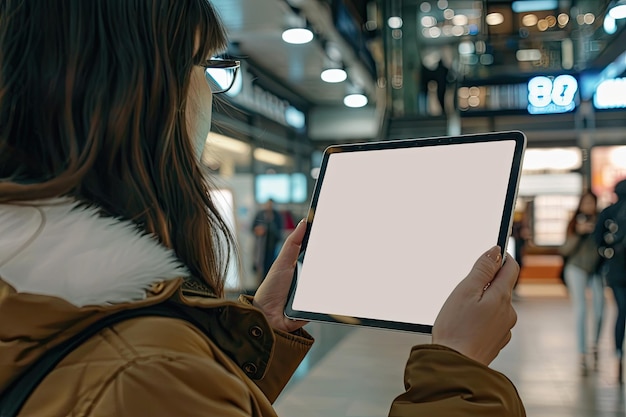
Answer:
(149, 366)
(234, 364)
(154, 366)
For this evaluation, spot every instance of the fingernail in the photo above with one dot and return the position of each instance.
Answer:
(301, 221)
(494, 254)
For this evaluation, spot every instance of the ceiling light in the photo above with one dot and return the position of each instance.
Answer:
(589, 18)
(442, 4)
(529, 20)
(434, 32)
(334, 75)
(395, 22)
(563, 19)
(270, 157)
(227, 143)
(533, 5)
(609, 25)
(297, 36)
(466, 48)
(355, 100)
(429, 21)
(494, 19)
(528, 55)
(448, 14)
(618, 11)
(425, 7)
(459, 20)
(542, 24)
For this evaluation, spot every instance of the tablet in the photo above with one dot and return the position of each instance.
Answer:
(394, 226)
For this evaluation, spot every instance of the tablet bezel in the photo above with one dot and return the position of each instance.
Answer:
(505, 226)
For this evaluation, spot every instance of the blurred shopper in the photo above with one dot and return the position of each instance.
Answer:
(522, 234)
(268, 233)
(104, 109)
(610, 235)
(580, 254)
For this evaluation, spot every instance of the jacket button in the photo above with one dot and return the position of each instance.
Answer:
(250, 368)
(256, 332)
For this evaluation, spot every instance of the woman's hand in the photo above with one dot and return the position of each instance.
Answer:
(477, 318)
(272, 294)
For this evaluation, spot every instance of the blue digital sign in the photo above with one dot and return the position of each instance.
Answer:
(611, 94)
(548, 95)
(282, 188)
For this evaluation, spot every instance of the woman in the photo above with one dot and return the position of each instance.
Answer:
(104, 108)
(580, 271)
(610, 236)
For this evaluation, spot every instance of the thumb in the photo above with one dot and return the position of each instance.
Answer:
(486, 267)
(507, 276)
(291, 248)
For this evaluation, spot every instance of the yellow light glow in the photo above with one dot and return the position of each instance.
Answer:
(529, 20)
(227, 143)
(494, 19)
(270, 157)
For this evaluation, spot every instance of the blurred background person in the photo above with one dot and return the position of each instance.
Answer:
(581, 257)
(609, 235)
(267, 229)
(521, 233)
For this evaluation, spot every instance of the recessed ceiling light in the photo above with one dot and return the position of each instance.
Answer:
(618, 11)
(528, 55)
(334, 75)
(395, 22)
(610, 27)
(297, 36)
(355, 100)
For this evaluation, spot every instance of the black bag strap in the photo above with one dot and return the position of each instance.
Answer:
(16, 395)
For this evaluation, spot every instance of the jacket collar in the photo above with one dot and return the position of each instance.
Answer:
(60, 249)
(64, 267)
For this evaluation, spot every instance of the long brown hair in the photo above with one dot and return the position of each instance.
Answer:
(93, 105)
(571, 226)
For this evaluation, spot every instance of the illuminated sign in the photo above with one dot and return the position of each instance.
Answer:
(508, 97)
(547, 95)
(246, 93)
(611, 94)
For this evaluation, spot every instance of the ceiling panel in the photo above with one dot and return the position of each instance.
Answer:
(256, 27)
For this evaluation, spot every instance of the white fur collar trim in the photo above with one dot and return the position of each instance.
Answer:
(56, 248)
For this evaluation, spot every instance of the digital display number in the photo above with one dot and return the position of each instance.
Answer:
(546, 95)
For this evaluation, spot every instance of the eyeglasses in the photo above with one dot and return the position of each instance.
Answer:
(220, 74)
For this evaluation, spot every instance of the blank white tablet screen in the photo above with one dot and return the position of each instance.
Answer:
(396, 230)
